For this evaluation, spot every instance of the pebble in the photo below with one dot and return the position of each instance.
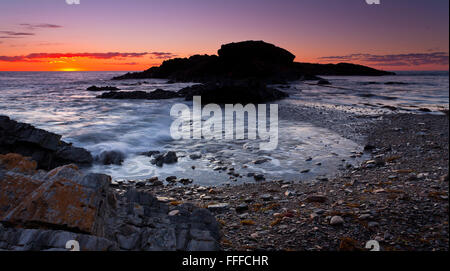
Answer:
(259, 177)
(241, 207)
(266, 197)
(336, 220)
(174, 212)
(364, 216)
(289, 193)
(171, 179)
(218, 207)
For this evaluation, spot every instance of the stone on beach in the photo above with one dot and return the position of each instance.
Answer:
(169, 157)
(110, 158)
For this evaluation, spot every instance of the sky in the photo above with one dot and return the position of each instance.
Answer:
(133, 35)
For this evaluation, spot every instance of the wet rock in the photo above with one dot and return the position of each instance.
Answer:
(110, 158)
(171, 179)
(154, 181)
(95, 88)
(44, 147)
(169, 157)
(195, 156)
(261, 161)
(259, 177)
(150, 153)
(323, 82)
(142, 95)
(185, 181)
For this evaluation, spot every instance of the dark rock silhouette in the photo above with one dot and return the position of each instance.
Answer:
(154, 95)
(245, 60)
(46, 148)
(323, 82)
(95, 88)
(231, 92)
(220, 92)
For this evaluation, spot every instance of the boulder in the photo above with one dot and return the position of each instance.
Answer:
(110, 158)
(46, 148)
(42, 210)
(232, 92)
(169, 157)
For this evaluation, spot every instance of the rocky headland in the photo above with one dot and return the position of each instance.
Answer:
(256, 60)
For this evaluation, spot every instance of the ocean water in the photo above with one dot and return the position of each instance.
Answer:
(58, 102)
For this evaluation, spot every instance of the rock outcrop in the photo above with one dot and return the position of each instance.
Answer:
(46, 148)
(42, 210)
(247, 60)
(107, 88)
(143, 95)
(231, 92)
(220, 92)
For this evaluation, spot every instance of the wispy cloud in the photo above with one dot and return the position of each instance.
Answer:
(109, 55)
(162, 55)
(414, 59)
(126, 64)
(14, 33)
(8, 37)
(34, 26)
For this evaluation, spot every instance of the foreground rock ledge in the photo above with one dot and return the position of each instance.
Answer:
(47, 149)
(42, 210)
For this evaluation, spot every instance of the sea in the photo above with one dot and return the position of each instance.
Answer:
(58, 102)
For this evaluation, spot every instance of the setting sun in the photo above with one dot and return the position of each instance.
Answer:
(69, 70)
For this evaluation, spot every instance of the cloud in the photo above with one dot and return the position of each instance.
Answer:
(414, 59)
(162, 55)
(34, 26)
(109, 55)
(8, 37)
(127, 63)
(13, 33)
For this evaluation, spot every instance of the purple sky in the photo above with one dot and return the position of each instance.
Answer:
(395, 35)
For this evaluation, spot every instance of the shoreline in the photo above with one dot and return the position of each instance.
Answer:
(398, 198)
